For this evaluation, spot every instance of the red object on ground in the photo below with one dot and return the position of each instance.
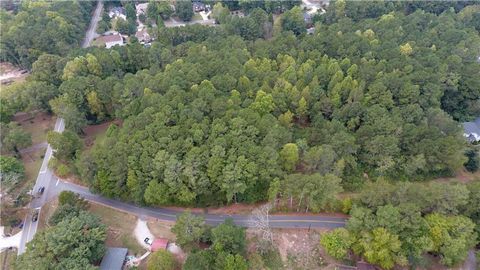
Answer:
(159, 243)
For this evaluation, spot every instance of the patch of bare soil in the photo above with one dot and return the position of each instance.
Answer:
(92, 131)
(300, 249)
(9, 73)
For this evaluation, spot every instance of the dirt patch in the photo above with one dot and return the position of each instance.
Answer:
(162, 229)
(462, 176)
(10, 73)
(299, 248)
(47, 211)
(92, 132)
(233, 209)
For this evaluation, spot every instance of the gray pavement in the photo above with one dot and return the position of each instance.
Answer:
(44, 178)
(276, 221)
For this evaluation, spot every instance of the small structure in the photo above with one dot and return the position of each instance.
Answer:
(307, 18)
(141, 8)
(117, 12)
(143, 36)
(111, 40)
(114, 259)
(198, 6)
(471, 130)
(159, 244)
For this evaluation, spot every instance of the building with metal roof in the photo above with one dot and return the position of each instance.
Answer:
(114, 259)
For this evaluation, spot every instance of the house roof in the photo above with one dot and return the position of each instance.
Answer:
(111, 38)
(159, 243)
(113, 259)
(472, 130)
(142, 35)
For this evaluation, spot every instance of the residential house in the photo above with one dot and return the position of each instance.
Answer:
(117, 12)
(198, 6)
(114, 259)
(143, 36)
(111, 40)
(471, 130)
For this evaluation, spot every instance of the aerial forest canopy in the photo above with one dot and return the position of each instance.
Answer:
(213, 116)
(40, 27)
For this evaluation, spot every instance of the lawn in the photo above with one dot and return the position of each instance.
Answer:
(197, 17)
(162, 229)
(120, 228)
(7, 258)
(37, 125)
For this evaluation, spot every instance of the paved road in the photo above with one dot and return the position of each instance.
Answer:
(92, 29)
(44, 178)
(276, 221)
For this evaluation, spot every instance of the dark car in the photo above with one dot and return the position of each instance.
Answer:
(35, 217)
(147, 241)
(40, 191)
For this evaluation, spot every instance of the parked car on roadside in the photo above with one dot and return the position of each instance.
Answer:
(35, 216)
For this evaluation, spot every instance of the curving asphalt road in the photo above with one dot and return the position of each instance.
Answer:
(276, 221)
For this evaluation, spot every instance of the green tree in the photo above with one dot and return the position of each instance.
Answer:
(76, 242)
(184, 10)
(289, 156)
(14, 137)
(452, 237)
(161, 260)
(65, 145)
(292, 20)
(229, 238)
(381, 247)
(189, 229)
(337, 243)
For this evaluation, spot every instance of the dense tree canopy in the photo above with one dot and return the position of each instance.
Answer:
(75, 242)
(40, 27)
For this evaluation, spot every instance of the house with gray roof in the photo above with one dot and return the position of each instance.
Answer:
(471, 130)
(114, 259)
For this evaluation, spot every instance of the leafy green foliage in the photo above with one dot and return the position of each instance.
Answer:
(12, 172)
(75, 242)
(13, 137)
(337, 243)
(184, 10)
(65, 145)
(161, 260)
(42, 27)
(189, 230)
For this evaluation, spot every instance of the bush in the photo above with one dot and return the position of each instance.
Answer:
(161, 260)
(63, 170)
(473, 162)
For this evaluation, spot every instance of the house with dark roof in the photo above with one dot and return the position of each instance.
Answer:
(114, 259)
(471, 130)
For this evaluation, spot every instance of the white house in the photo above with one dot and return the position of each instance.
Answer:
(471, 130)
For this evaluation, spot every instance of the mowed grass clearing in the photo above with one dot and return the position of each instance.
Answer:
(120, 228)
